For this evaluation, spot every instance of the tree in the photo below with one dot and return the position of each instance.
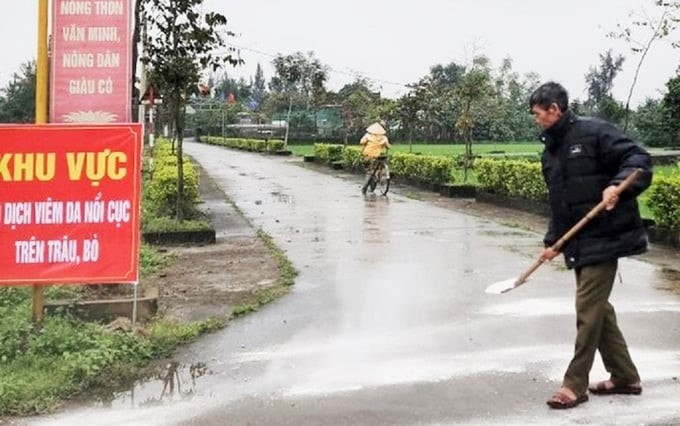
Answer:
(671, 105)
(17, 100)
(226, 88)
(435, 95)
(600, 82)
(471, 91)
(358, 106)
(661, 26)
(179, 44)
(649, 123)
(259, 88)
(408, 112)
(301, 74)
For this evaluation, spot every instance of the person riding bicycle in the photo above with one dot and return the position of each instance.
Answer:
(375, 145)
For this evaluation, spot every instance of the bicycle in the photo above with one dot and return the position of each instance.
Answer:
(379, 178)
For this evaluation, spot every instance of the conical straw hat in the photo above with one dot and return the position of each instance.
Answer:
(376, 129)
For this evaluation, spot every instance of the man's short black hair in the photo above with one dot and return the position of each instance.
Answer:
(549, 93)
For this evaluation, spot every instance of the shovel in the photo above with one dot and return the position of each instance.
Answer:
(512, 283)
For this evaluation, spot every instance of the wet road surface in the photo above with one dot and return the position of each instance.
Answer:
(388, 322)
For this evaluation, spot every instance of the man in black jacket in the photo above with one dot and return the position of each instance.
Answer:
(583, 161)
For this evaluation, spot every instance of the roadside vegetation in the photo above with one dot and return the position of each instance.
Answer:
(456, 105)
(42, 365)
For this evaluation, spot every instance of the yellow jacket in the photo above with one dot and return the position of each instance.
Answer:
(374, 145)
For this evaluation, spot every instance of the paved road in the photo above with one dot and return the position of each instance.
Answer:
(388, 323)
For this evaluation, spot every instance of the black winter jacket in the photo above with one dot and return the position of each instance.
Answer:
(582, 156)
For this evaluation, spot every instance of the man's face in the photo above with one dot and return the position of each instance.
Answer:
(545, 118)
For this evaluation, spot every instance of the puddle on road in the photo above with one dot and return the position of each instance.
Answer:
(166, 384)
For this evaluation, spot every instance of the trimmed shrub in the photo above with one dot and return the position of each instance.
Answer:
(352, 159)
(327, 152)
(515, 178)
(161, 190)
(664, 202)
(422, 168)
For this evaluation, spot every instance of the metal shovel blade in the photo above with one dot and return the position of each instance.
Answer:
(503, 286)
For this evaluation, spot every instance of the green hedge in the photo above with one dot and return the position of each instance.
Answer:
(515, 178)
(352, 159)
(664, 202)
(422, 168)
(160, 192)
(328, 152)
(256, 145)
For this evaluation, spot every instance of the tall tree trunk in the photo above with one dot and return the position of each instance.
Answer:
(179, 126)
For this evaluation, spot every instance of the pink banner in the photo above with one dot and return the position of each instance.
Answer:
(91, 72)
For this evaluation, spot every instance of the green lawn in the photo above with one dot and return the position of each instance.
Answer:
(488, 148)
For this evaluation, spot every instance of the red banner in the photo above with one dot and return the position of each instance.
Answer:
(91, 72)
(70, 204)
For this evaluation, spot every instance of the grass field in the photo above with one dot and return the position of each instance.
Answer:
(490, 148)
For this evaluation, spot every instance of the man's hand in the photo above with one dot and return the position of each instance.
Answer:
(609, 197)
(549, 254)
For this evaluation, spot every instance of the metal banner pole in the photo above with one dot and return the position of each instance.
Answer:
(134, 304)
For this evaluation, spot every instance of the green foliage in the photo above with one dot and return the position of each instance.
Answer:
(41, 366)
(664, 202)
(180, 43)
(484, 148)
(671, 105)
(169, 224)
(211, 114)
(516, 178)
(166, 334)
(326, 152)
(32, 386)
(286, 269)
(17, 100)
(161, 191)
(359, 103)
(650, 123)
(13, 296)
(352, 158)
(60, 292)
(14, 327)
(299, 74)
(600, 82)
(257, 145)
(150, 260)
(422, 168)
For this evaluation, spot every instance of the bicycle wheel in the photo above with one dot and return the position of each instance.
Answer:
(382, 181)
(369, 183)
(373, 183)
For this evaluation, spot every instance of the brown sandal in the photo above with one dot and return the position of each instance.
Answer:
(602, 389)
(562, 401)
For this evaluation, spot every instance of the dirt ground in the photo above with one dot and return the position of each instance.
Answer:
(208, 281)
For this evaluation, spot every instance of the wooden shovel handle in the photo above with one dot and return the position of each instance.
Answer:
(580, 224)
(594, 211)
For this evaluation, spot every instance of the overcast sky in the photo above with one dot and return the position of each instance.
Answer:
(393, 43)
